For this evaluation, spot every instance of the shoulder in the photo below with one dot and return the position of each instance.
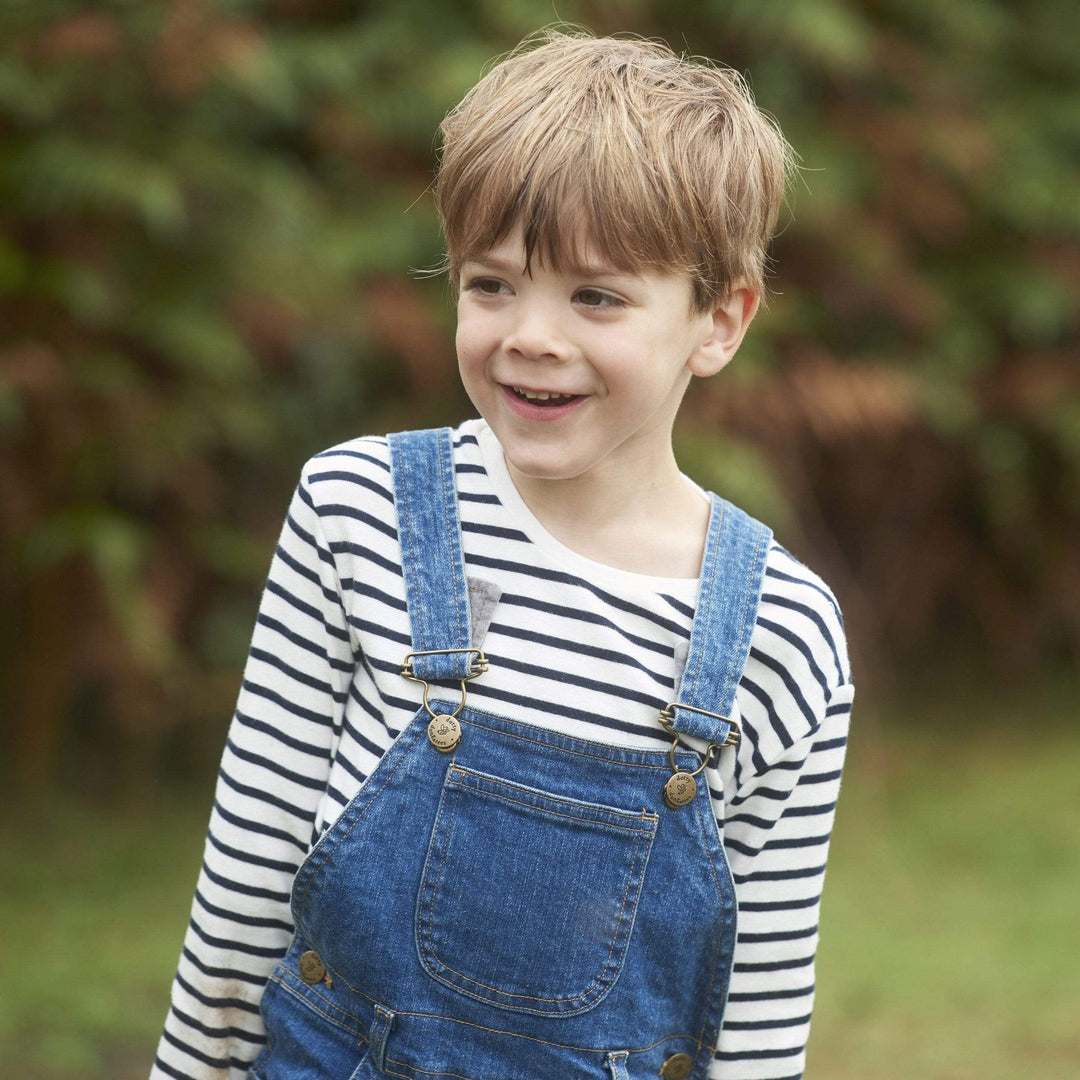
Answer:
(363, 463)
(796, 598)
(335, 475)
(350, 485)
(798, 673)
(345, 494)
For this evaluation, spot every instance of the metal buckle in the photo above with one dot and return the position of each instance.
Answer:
(677, 791)
(667, 716)
(444, 732)
(479, 665)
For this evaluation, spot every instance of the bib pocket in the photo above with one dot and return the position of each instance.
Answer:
(527, 899)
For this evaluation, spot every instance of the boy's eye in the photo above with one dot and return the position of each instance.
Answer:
(597, 298)
(486, 286)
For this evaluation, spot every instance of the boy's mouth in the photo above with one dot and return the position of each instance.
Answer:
(543, 397)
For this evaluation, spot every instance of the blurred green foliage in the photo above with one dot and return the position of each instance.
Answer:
(208, 215)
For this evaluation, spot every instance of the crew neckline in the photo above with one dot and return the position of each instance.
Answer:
(611, 577)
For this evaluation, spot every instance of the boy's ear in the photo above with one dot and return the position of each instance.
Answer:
(730, 320)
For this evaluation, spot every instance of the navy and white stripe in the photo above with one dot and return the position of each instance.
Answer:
(584, 648)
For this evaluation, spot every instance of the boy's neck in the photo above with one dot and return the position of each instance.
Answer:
(653, 522)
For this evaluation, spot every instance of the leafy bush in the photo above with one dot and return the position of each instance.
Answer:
(208, 213)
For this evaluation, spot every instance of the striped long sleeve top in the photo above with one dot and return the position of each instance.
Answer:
(588, 649)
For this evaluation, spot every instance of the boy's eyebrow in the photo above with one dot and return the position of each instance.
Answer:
(601, 270)
(579, 269)
(491, 262)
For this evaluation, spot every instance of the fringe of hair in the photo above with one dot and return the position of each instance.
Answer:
(620, 146)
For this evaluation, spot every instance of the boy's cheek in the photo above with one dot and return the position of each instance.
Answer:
(472, 369)
(472, 345)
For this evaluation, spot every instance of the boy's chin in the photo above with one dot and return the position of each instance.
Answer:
(550, 466)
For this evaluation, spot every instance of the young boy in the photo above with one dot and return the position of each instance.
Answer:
(528, 717)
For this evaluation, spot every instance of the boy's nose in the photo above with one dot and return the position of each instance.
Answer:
(536, 335)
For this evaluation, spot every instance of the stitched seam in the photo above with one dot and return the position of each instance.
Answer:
(481, 793)
(413, 1069)
(706, 590)
(750, 605)
(579, 999)
(379, 1032)
(542, 797)
(513, 1034)
(401, 493)
(634, 831)
(746, 631)
(720, 937)
(336, 1021)
(582, 998)
(430, 892)
(326, 852)
(548, 1042)
(453, 534)
(578, 1002)
(687, 758)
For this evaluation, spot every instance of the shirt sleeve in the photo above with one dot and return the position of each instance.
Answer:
(273, 773)
(795, 701)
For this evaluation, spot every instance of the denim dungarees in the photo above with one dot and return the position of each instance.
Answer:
(504, 902)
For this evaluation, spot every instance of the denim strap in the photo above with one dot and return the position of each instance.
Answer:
(380, 1028)
(432, 561)
(616, 1061)
(732, 573)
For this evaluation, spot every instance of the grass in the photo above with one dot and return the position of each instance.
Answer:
(93, 906)
(950, 935)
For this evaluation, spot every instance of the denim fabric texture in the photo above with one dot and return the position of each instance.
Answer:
(436, 589)
(527, 906)
(731, 574)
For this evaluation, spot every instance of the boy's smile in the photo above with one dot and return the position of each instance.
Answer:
(541, 405)
(580, 372)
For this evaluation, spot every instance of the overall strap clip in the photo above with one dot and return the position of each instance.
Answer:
(460, 664)
(444, 731)
(732, 575)
(722, 732)
(681, 786)
(433, 569)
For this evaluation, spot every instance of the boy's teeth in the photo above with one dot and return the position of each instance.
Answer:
(539, 395)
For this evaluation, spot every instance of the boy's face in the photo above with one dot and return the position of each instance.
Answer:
(612, 352)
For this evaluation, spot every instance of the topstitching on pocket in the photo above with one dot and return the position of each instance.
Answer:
(528, 899)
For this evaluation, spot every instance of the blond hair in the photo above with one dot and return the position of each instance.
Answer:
(658, 161)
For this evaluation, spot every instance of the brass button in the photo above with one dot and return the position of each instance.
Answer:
(312, 969)
(444, 733)
(678, 1066)
(679, 790)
